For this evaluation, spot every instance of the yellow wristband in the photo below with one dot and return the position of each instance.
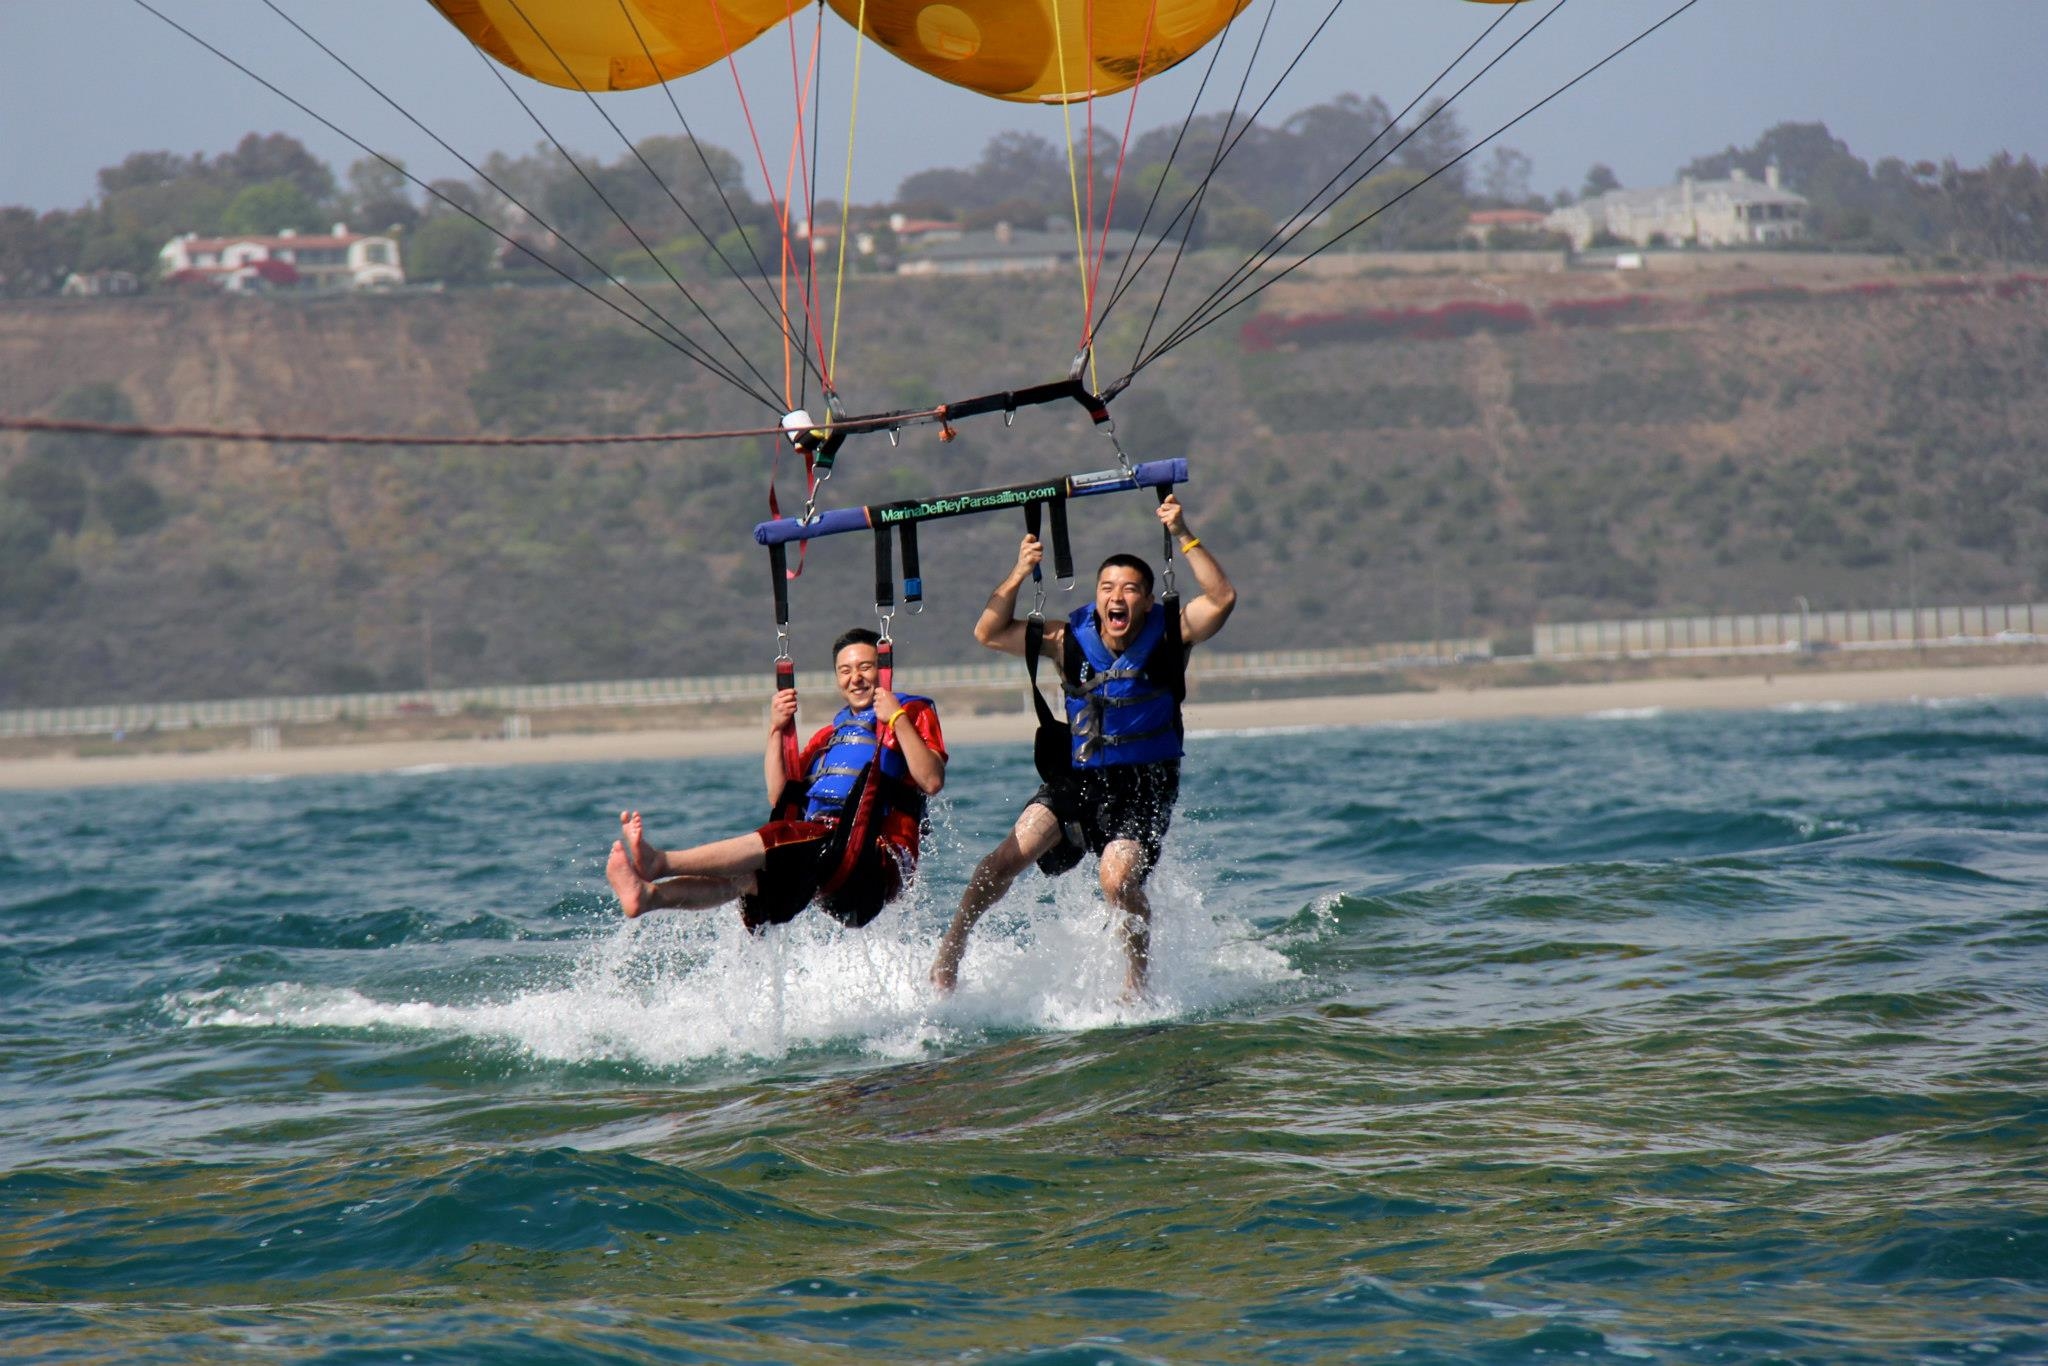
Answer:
(1189, 544)
(890, 724)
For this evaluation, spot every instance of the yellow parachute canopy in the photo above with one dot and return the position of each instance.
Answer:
(1042, 51)
(1033, 51)
(611, 44)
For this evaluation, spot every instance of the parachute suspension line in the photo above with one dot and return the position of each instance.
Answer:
(625, 12)
(1059, 45)
(1279, 238)
(860, 33)
(646, 248)
(798, 171)
(1097, 233)
(1191, 327)
(674, 337)
(1123, 148)
(811, 192)
(1224, 144)
(1145, 219)
(767, 178)
(731, 214)
(1213, 306)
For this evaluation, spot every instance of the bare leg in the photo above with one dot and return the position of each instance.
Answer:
(1036, 832)
(1123, 886)
(738, 857)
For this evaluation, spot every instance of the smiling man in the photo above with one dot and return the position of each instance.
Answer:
(1121, 666)
(845, 836)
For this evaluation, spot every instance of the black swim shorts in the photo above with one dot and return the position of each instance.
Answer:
(799, 856)
(1097, 806)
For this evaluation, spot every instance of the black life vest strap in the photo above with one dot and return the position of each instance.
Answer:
(1052, 744)
(851, 834)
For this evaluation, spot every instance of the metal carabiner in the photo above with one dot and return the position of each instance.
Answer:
(1109, 425)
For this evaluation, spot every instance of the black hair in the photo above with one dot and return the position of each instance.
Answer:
(859, 635)
(1122, 561)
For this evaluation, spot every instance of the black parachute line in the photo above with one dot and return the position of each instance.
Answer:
(673, 337)
(634, 233)
(597, 106)
(1281, 236)
(689, 345)
(1227, 142)
(1299, 221)
(1216, 308)
(731, 214)
(1192, 209)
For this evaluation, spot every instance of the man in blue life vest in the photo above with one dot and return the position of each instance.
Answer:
(845, 835)
(1121, 664)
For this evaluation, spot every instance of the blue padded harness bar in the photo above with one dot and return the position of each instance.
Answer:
(1159, 474)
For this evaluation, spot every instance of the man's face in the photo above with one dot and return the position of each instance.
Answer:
(857, 670)
(1121, 602)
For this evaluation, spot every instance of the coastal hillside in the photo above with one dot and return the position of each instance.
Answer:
(1376, 456)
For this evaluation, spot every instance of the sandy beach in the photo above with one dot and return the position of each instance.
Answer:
(1859, 688)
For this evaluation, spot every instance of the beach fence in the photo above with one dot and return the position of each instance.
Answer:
(510, 707)
(1875, 628)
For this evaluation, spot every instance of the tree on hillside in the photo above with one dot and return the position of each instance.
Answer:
(1433, 146)
(1335, 139)
(379, 197)
(35, 251)
(449, 250)
(1999, 211)
(1504, 179)
(259, 159)
(1600, 179)
(271, 208)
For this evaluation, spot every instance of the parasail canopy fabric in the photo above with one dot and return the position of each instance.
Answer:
(1031, 51)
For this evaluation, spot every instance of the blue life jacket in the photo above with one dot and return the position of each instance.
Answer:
(851, 749)
(1122, 709)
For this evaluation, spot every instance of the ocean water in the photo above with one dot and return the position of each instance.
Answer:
(1643, 1037)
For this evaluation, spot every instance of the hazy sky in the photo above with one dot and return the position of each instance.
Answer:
(85, 82)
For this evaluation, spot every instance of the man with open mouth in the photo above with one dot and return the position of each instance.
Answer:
(1113, 777)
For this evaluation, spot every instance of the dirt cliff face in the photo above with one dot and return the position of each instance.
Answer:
(1381, 458)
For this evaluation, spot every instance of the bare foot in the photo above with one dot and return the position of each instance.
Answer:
(642, 855)
(635, 895)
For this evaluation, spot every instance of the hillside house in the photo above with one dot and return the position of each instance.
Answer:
(1736, 212)
(330, 261)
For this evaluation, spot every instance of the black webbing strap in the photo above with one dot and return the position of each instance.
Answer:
(1062, 549)
(1034, 525)
(1052, 743)
(778, 566)
(913, 577)
(885, 571)
(785, 667)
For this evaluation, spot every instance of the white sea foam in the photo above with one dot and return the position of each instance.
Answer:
(1805, 708)
(1627, 714)
(678, 988)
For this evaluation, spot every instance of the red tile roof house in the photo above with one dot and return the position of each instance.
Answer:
(337, 260)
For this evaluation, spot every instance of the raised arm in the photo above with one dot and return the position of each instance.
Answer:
(1205, 616)
(1000, 628)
